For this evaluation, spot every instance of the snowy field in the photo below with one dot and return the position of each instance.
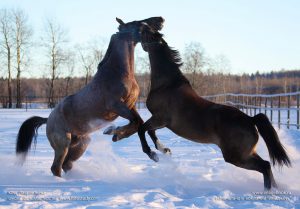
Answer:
(120, 175)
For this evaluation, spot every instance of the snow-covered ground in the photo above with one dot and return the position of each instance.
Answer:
(120, 175)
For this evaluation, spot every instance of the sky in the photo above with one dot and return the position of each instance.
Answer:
(256, 35)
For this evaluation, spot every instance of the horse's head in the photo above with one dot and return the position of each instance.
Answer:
(150, 37)
(136, 27)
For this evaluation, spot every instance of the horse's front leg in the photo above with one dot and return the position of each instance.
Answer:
(125, 131)
(158, 145)
(151, 125)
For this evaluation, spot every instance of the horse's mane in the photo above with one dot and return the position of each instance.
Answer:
(172, 54)
(172, 58)
(110, 46)
(108, 51)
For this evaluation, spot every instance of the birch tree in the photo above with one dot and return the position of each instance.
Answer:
(22, 42)
(6, 44)
(54, 42)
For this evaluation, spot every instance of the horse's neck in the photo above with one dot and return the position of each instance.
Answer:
(119, 53)
(164, 71)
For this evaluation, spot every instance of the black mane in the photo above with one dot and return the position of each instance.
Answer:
(108, 52)
(172, 54)
(167, 73)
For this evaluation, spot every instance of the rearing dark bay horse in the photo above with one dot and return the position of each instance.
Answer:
(175, 105)
(113, 92)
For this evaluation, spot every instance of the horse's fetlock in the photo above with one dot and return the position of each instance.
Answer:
(146, 150)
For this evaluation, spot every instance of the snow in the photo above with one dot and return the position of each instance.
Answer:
(120, 175)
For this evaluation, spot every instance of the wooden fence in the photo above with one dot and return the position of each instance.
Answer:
(282, 109)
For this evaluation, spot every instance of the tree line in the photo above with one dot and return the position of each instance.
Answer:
(204, 83)
(60, 59)
(53, 47)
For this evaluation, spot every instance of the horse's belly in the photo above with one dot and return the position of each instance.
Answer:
(195, 135)
(97, 124)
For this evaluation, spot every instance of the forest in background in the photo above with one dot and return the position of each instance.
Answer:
(204, 84)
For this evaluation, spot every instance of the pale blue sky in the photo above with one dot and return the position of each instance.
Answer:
(254, 35)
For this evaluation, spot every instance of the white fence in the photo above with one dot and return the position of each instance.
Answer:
(282, 109)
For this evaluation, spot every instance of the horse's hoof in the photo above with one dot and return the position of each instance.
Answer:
(110, 130)
(115, 138)
(167, 151)
(67, 166)
(56, 171)
(153, 156)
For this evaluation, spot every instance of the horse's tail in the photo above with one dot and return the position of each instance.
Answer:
(276, 150)
(27, 132)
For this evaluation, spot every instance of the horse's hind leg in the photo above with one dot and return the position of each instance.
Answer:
(255, 162)
(77, 148)
(60, 145)
(268, 171)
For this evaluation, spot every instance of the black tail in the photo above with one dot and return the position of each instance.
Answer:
(276, 150)
(27, 132)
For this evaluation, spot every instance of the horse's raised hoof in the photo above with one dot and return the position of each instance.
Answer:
(56, 171)
(110, 130)
(115, 138)
(67, 166)
(167, 151)
(153, 156)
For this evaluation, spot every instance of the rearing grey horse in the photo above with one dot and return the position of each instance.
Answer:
(113, 92)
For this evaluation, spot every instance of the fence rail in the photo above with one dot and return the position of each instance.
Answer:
(282, 109)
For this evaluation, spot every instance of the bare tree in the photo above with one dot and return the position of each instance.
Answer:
(194, 62)
(54, 41)
(70, 66)
(87, 60)
(6, 44)
(98, 50)
(142, 69)
(90, 55)
(221, 66)
(22, 37)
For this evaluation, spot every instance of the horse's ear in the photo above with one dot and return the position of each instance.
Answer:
(120, 21)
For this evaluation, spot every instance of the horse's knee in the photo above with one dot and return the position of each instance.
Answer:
(141, 131)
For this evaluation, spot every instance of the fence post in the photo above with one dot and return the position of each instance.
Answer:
(249, 101)
(298, 114)
(243, 102)
(271, 109)
(255, 105)
(279, 112)
(266, 102)
(26, 103)
(288, 112)
(247, 106)
(260, 104)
